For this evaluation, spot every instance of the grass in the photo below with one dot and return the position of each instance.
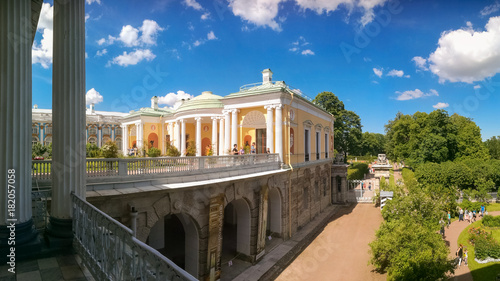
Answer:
(493, 207)
(480, 272)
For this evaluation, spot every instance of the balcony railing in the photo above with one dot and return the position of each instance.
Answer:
(165, 166)
(111, 252)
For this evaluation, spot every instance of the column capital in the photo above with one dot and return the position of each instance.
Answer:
(235, 110)
(215, 117)
(198, 118)
(278, 106)
(269, 107)
(226, 112)
(181, 121)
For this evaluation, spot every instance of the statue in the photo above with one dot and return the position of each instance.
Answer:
(382, 159)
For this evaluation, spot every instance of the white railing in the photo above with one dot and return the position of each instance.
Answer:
(165, 166)
(111, 252)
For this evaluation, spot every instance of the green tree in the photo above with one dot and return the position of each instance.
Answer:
(93, 150)
(469, 142)
(172, 151)
(493, 146)
(110, 150)
(372, 144)
(347, 129)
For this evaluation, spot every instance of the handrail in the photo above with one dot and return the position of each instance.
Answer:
(111, 252)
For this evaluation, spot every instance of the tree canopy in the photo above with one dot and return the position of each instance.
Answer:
(434, 137)
(493, 146)
(372, 144)
(347, 127)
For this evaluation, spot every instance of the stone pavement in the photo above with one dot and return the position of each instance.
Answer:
(275, 261)
(67, 268)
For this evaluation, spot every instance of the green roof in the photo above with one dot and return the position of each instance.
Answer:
(258, 88)
(148, 111)
(204, 101)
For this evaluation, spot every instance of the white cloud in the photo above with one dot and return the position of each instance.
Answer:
(420, 62)
(42, 53)
(93, 96)
(87, 16)
(294, 49)
(205, 16)
(327, 6)
(416, 94)
(101, 52)
(407, 76)
(193, 4)
(477, 87)
(171, 98)
(133, 58)
(211, 36)
(129, 36)
(149, 29)
(198, 43)
(258, 12)
(92, 1)
(465, 55)
(307, 52)
(378, 72)
(490, 9)
(394, 72)
(440, 105)
(101, 41)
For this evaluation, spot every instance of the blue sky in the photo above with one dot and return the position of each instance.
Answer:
(379, 57)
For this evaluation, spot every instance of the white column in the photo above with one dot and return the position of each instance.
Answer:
(177, 136)
(269, 128)
(279, 131)
(15, 115)
(99, 135)
(234, 127)
(40, 133)
(68, 110)
(183, 137)
(125, 139)
(139, 132)
(198, 136)
(214, 135)
(113, 128)
(161, 139)
(227, 132)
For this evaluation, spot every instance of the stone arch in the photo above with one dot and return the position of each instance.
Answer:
(157, 238)
(254, 119)
(274, 223)
(238, 212)
(153, 137)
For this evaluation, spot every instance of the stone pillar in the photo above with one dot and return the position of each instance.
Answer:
(68, 115)
(15, 129)
(279, 132)
(125, 139)
(214, 135)
(139, 133)
(40, 133)
(177, 136)
(198, 136)
(221, 136)
(113, 138)
(269, 128)
(234, 127)
(227, 132)
(99, 135)
(183, 137)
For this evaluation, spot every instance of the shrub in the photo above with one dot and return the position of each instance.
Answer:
(154, 152)
(93, 150)
(39, 150)
(172, 151)
(110, 150)
(357, 171)
(491, 221)
(191, 149)
(484, 244)
(471, 206)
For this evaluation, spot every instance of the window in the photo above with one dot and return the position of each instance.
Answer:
(106, 131)
(317, 145)
(92, 140)
(34, 129)
(307, 138)
(93, 130)
(119, 143)
(48, 129)
(118, 131)
(34, 140)
(326, 145)
(48, 140)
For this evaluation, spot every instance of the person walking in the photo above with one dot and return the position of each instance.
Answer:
(460, 254)
(442, 223)
(461, 215)
(466, 256)
(449, 219)
(252, 148)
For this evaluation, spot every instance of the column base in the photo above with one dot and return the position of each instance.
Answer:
(59, 233)
(26, 242)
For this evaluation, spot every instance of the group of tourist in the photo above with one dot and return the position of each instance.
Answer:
(462, 255)
(253, 149)
(470, 216)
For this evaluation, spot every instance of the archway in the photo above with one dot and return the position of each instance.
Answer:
(204, 143)
(236, 233)
(247, 140)
(176, 237)
(153, 140)
(274, 213)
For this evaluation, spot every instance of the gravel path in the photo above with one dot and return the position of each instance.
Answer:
(340, 252)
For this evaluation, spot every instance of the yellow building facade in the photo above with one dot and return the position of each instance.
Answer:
(259, 117)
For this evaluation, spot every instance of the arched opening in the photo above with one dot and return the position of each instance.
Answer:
(153, 140)
(236, 233)
(274, 213)
(176, 237)
(247, 141)
(204, 143)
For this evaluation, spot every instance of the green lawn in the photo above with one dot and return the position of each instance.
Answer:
(493, 207)
(480, 272)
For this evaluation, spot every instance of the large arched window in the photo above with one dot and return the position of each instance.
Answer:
(34, 129)
(92, 140)
(118, 131)
(93, 130)
(34, 140)
(106, 130)
(48, 129)
(48, 140)
(119, 143)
